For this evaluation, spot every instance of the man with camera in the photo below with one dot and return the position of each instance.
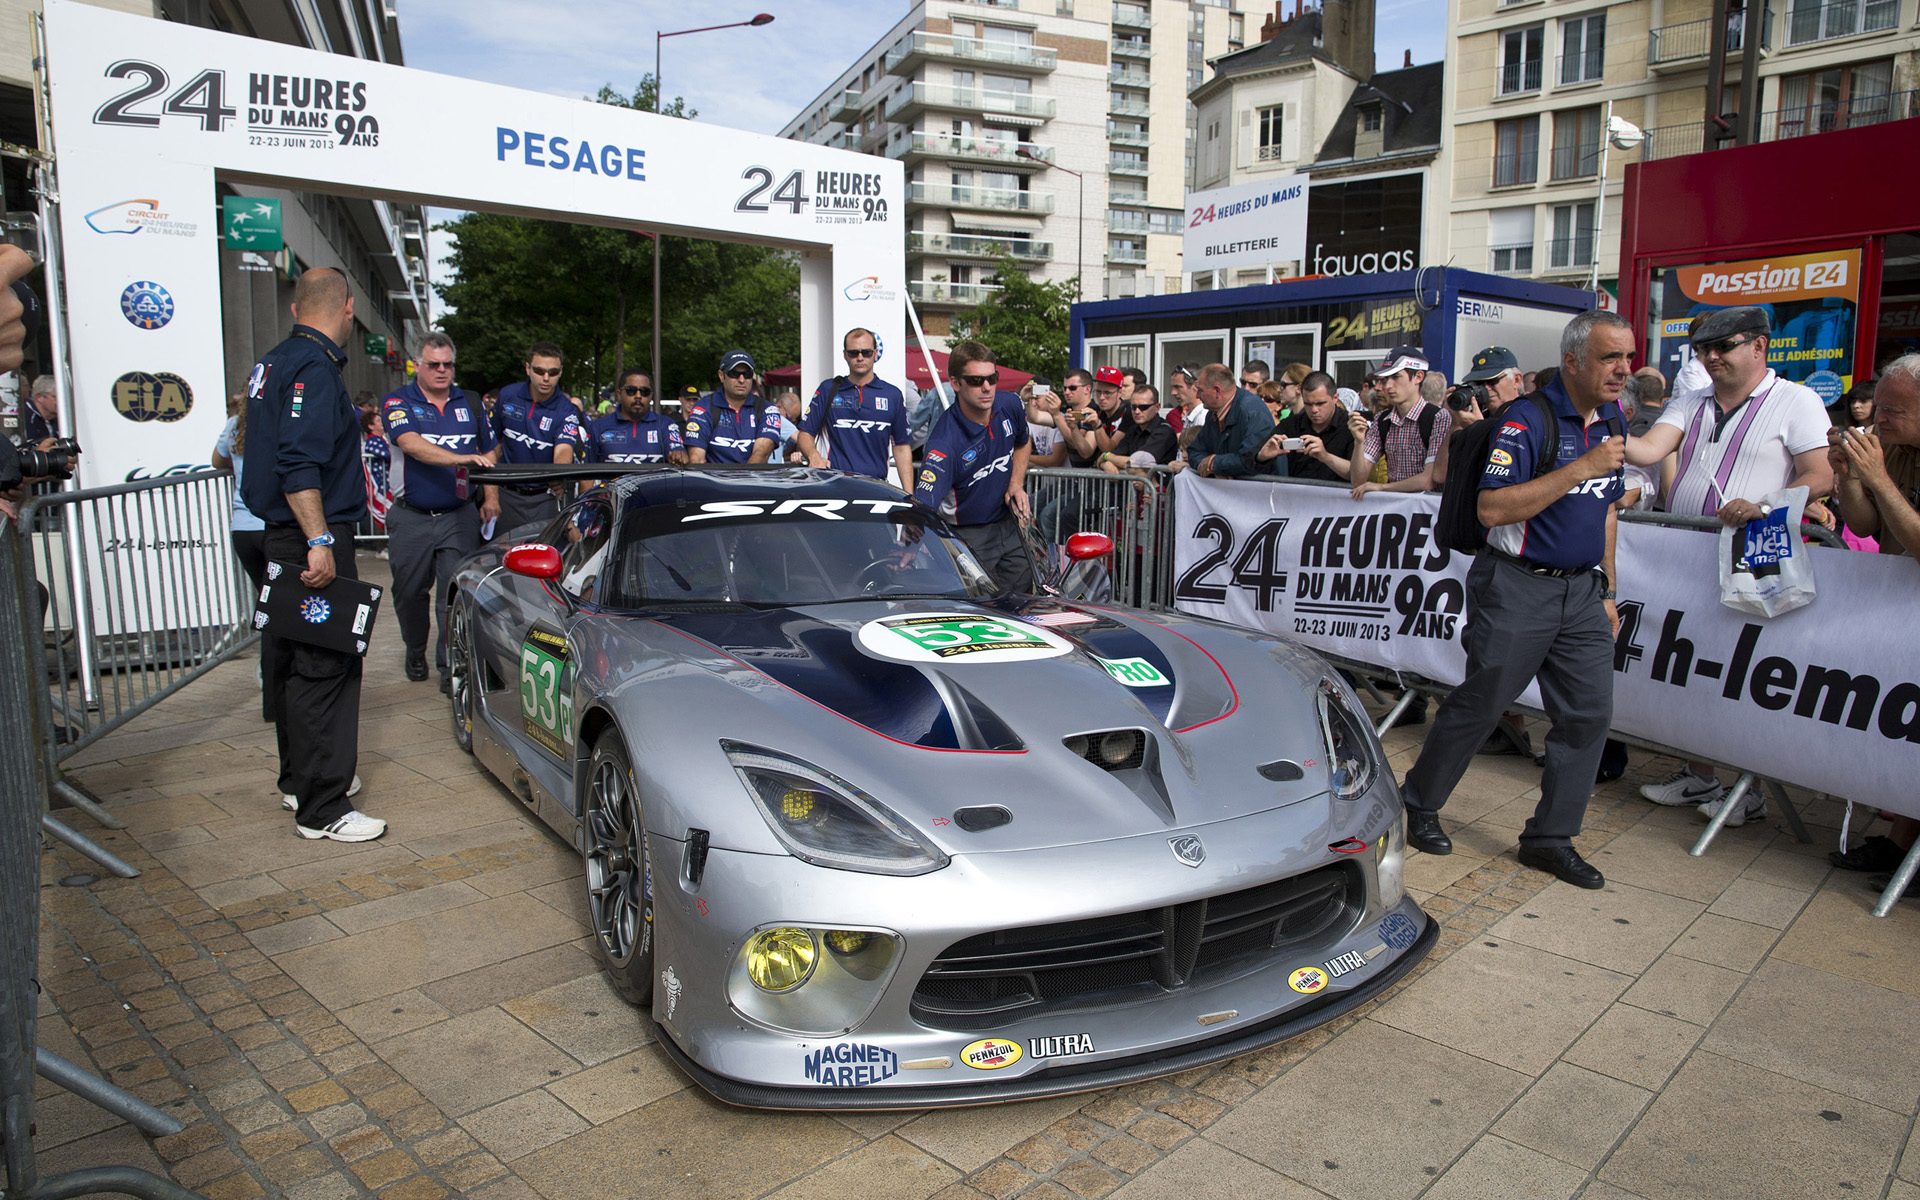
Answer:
(1315, 438)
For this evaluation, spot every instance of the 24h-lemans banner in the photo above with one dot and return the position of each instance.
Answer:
(1826, 697)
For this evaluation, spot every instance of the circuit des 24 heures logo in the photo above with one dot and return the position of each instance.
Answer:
(292, 111)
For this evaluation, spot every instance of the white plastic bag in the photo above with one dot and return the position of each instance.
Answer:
(1765, 568)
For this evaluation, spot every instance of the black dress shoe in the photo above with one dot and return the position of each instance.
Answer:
(1565, 863)
(416, 666)
(1424, 832)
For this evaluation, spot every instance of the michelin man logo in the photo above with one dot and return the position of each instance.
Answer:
(671, 982)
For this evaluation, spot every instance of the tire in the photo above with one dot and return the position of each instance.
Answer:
(619, 874)
(463, 671)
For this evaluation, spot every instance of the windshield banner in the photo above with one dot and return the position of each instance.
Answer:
(1782, 697)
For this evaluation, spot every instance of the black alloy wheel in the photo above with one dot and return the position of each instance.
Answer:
(619, 874)
(462, 671)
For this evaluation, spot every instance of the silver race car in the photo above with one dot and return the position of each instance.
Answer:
(866, 832)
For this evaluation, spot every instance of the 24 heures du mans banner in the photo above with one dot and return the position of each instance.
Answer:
(1826, 697)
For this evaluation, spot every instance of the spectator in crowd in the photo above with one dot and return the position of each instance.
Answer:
(1491, 383)
(1111, 387)
(1183, 385)
(790, 410)
(635, 432)
(1292, 381)
(1642, 483)
(733, 424)
(1650, 400)
(1752, 433)
(1146, 434)
(1136, 379)
(432, 524)
(376, 459)
(534, 422)
(235, 402)
(1272, 393)
(1540, 602)
(864, 417)
(1529, 382)
(1408, 436)
(1855, 409)
(975, 469)
(1238, 425)
(1320, 424)
(1087, 423)
(1254, 374)
(1048, 448)
(40, 419)
(1433, 387)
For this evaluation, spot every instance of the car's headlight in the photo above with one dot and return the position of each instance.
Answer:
(1352, 762)
(823, 819)
(811, 980)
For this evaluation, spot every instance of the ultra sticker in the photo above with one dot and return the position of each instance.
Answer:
(851, 1064)
(990, 1054)
(1352, 960)
(1060, 1045)
(1134, 672)
(963, 637)
(546, 690)
(1307, 980)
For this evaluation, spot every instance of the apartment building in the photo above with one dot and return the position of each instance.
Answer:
(1533, 81)
(1056, 130)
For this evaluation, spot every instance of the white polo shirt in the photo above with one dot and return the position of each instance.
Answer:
(1748, 454)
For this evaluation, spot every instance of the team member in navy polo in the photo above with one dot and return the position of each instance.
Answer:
(1540, 599)
(634, 433)
(432, 526)
(975, 470)
(864, 415)
(734, 424)
(534, 422)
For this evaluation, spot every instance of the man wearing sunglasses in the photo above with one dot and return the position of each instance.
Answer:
(432, 525)
(975, 471)
(864, 417)
(535, 422)
(1146, 433)
(634, 432)
(734, 424)
(1751, 434)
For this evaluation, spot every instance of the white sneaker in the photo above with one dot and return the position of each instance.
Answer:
(292, 803)
(355, 826)
(1684, 788)
(1752, 808)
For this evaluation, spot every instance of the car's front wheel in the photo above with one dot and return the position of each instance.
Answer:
(619, 875)
(463, 680)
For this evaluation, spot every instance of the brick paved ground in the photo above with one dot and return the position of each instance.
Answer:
(422, 1017)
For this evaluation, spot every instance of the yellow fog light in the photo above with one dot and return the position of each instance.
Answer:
(779, 960)
(847, 941)
(797, 806)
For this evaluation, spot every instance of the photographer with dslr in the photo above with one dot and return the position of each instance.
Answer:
(1491, 383)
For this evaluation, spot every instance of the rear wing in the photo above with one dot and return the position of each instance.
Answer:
(516, 474)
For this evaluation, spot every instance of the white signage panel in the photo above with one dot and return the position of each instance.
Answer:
(1248, 225)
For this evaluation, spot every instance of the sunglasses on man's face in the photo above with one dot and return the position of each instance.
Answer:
(1723, 347)
(636, 391)
(990, 378)
(742, 373)
(860, 352)
(545, 372)
(1145, 407)
(427, 365)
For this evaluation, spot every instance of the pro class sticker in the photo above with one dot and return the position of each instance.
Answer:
(959, 637)
(1134, 672)
(991, 1054)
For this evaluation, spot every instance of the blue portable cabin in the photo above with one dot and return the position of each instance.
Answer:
(1342, 325)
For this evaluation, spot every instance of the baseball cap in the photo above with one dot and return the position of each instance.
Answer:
(1109, 375)
(1731, 322)
(1402, 358)
(1491, 363)
(737, 358)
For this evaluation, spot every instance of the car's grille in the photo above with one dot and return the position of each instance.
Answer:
(985, 980)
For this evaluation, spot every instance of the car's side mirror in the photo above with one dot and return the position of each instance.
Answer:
(534, 560)
(1083, 546)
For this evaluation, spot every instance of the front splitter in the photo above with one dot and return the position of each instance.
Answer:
(1058, 1081)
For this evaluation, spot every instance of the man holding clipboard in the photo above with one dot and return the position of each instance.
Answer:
(304, 480)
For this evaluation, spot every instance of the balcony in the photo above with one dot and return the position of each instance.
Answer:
(922, 47)
(966, 245)
(956, 295)
(1578, 161)
(1128, 16)
(846, 139)
(1570, 254)
(1118, 164)
(1686, 44)
(1857, 113)
(846, 107)
(1014, 107)
(941, 195)
(1128, 137)
(412, 237)
(1511, 170)
(406, 306)
(1518, 77)
(1672, 141)
(1580, 68)
(1117, 196)
(1132, 48)
(1128, 108)
(1123, 77)
(1810, 23)
(995, 151)
(1127, 256)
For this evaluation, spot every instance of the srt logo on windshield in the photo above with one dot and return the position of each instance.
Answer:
(825, 509)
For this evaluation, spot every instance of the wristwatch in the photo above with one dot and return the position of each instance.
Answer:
(1609, 594)
(325, 539)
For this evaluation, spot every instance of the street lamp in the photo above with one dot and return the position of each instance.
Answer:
(1616, 131)
(1080, 227)
(659, 242)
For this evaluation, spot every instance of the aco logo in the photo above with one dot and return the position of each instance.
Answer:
(146, 305)
(990, 1054)
(152, 396)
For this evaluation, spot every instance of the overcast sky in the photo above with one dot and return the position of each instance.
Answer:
(752, 78)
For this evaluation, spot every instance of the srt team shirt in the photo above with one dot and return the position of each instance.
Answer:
(728, 436)
(967, 467)
(458, 426)
(864, 424)
(1571, 533)
(530, 431)
(615, 439)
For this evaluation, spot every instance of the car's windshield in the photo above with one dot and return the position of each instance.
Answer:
(779, 552)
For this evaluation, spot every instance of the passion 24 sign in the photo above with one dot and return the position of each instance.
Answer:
(1784, 697)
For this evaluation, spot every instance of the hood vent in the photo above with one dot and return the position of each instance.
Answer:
(1114, 750)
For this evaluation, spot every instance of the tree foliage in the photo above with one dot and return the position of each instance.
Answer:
(1024, 323)
(589, 288)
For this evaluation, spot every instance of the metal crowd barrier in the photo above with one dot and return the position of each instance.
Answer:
(1134, 509)
(136, 593)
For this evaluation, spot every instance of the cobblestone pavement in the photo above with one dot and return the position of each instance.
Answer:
(422, 1016)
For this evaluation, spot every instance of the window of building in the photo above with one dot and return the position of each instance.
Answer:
(1196, 51)
(1818, 20)
(1510, 241)
(1520, 58)
(1516, 153)
(1167, 221)
(1572, 242)
(1000, 35)
(1195, 77)
(1271, 146)
(1838, 98)
(1576, 143)
(1370, 119)
(1583, 48)
(1236, 27)
(1063, 8)
(1196, 19)
(1014, 85)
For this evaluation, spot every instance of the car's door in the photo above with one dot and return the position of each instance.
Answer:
(539, 613)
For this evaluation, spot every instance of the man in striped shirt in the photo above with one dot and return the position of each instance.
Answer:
(1752, 434)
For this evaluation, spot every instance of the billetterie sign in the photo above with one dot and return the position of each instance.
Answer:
(1249, 225)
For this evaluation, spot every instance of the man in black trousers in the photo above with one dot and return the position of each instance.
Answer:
(303, 478)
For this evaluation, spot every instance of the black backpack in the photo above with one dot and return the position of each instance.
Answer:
(1458, 527)
(1428, 416)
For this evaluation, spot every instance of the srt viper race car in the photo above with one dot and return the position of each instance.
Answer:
(866, 832)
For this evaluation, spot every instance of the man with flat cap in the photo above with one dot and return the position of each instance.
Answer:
(1752, 433)
(733, 424)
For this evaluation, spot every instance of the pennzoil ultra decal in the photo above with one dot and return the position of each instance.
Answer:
(1059, 1045)
(959, 637)
(1307, 980)
(991, 1054)
(546, 690)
